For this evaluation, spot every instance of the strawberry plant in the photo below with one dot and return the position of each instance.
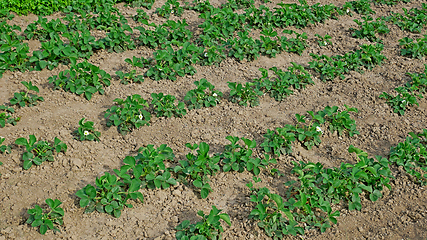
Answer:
(404, 98)
(308, 201)
(323, 41)
(164, 106)
(153, 38)
(39, 217)
(149, 167)
(279, 87)
(390, 2)
(209, 228)
(238, 4)
(368, 29)
(4, 148)
(117, 40)
(362, 7)
(244, 95)
(110, 195)
(5, 117)
(13, 54)
(412, 155)
(52, 53)
(268, 46)
(82, 78)
(170, 64)
(142, 3)
(199, 6)
(139, 62)
(340, 121)
(279, 141)
(203, 96)
(272, 213)
(170, 7)
(38, 152)
(413, 49)
(128, 114)
(44, 30)
(26, 98)
(296, 45)
(130, 77)
(238, 158)
(86, 131)
(198, 167)
(83, 41)
(243, 47)
(140, 16)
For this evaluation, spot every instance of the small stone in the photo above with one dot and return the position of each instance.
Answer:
(176, 193)
(77, 162)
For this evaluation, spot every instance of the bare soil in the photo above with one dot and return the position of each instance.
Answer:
(400, 214)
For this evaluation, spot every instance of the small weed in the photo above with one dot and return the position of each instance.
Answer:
(4, 148)
(5, 117)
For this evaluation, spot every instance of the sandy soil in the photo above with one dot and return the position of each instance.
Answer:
(400, 214)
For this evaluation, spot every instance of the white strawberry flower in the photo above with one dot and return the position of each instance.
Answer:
(215, 95)
(86, 133)
(319, 129)
(140, 117)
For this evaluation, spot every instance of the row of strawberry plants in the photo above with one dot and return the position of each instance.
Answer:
(307, 203)
(207, 51)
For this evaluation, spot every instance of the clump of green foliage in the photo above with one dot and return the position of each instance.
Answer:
(309, 130)
(368, 28)
(411, 154)
(368, 56)
(412, 20)
(408, 94)
(203, 95)
(128, 114)
(164, 106)
(26, 98)
(197, 167)
(5, 117)
(82, 78)
(86, 131)
(209, 228)
(282, 85)
(45, 221)
(110, 195)
(413, 49)
(40, 151)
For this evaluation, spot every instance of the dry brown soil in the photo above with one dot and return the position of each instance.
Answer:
(400, 214)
